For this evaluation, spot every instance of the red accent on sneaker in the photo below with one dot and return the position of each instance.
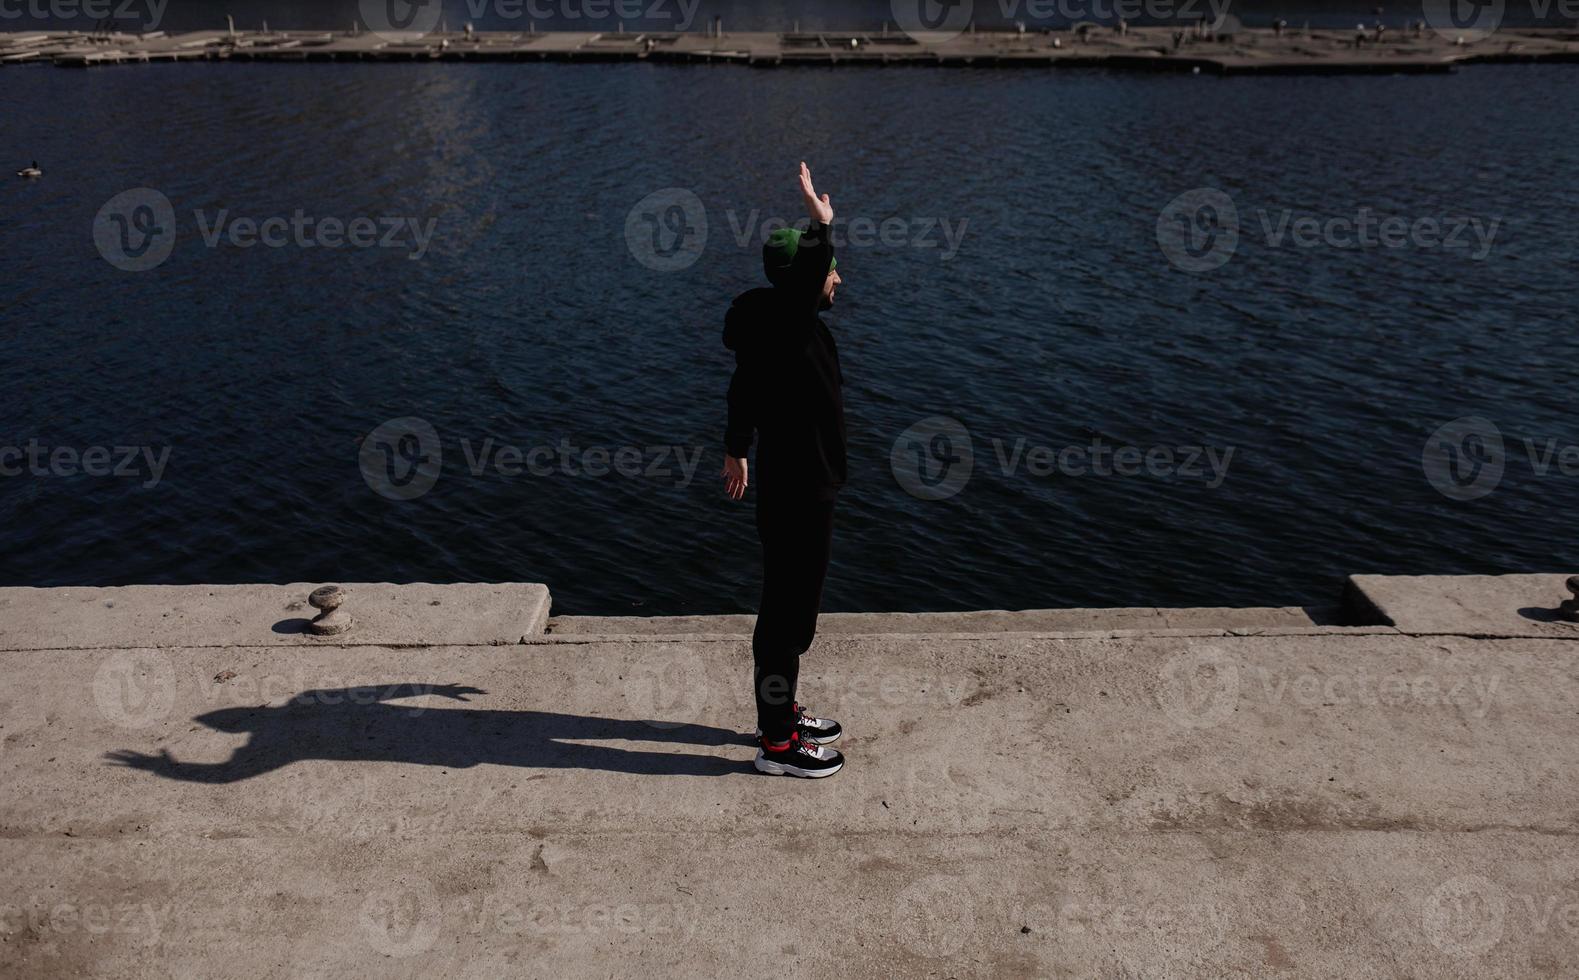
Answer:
(783, 746)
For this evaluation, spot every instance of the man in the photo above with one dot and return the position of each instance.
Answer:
(786, 390)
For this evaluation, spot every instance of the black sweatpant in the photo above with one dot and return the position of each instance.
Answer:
(797, 538)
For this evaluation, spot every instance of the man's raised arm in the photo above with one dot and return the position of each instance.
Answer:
(809, 269)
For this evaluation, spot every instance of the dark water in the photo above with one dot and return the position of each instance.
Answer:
(529, 320)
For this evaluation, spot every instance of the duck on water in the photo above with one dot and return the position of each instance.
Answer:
(32, 171)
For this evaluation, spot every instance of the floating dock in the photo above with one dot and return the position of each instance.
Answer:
(1254, 51)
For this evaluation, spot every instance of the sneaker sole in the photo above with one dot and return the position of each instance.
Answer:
(779, 769)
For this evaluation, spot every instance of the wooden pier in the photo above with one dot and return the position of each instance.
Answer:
(1248, 51)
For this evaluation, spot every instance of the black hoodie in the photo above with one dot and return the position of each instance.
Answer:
(787, 381)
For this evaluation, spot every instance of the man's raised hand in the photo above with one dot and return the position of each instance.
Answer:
(819, 209)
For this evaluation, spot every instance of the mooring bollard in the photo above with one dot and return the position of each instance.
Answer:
(331, 621)
(1569, 610)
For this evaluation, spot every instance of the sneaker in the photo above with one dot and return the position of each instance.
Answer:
(819, 731)
(799, 759)
(816, 731)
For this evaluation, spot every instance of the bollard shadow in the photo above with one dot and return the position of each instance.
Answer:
(291, 627)
(1542, 615)
(357, 725)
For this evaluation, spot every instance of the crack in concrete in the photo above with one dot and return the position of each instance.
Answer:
(776, 831)
(631, 639)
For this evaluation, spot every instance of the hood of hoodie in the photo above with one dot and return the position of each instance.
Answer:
(752, 313)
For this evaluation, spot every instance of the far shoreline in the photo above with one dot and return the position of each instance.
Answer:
(1176, 49)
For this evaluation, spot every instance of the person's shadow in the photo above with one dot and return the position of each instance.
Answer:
(355, 724)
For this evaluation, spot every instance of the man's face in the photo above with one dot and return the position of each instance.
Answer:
(829, 287)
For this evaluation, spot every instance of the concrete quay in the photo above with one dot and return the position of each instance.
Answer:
(448, 790)
(1248, 51)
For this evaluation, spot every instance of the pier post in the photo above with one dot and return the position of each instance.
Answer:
(331, 621)
(1570, 607)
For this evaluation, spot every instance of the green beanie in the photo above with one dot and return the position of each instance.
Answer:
(778, 254)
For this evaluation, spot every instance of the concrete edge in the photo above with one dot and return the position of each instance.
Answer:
(593, 638)
(425, 615)
(974, 621)
(270, 615)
